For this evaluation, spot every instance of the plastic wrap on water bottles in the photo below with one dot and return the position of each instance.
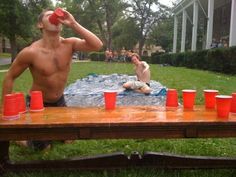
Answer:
(88, 91)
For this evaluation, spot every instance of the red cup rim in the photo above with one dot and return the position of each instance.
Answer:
(10, 95)
(59, 12)
(11, 117)
(22, 112)
(35, 91)
(36, 110)
(209, 90)
(188, 90)
(110, 91)
(224, 96)
(19, 93)
(171, 91)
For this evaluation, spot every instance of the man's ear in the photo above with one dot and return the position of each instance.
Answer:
(39, 25)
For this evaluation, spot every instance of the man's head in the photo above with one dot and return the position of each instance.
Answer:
(44, 24)
(41, 15)
(135, 58)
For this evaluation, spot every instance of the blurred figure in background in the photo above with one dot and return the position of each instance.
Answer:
(142, 71)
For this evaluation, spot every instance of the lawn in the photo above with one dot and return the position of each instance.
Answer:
(5, 55)
(171, 77)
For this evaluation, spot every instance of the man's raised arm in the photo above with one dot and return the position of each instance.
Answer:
(89, 41)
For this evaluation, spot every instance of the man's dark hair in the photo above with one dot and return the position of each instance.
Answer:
(40, 17)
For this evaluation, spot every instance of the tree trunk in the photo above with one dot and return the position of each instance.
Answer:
(140, 47)
(108, 20)
(99, 23)
(13, 48)
(104, 40)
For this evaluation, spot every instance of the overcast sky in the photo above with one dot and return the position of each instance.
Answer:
(167, 2)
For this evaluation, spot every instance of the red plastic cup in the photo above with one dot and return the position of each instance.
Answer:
(58, 13)
(110, 99)
(10, 107)
(210, 100)
(233, 103)
(36, 101)
(223, 104)
(21, 102)
(172, 98)
(189, 98)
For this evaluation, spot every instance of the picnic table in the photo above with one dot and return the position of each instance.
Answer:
(125, 122)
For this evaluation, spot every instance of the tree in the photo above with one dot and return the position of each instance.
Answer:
(146, 13)
(105, 13)
(14, 22)
(17, 20)
(161, 34)
(125, 33)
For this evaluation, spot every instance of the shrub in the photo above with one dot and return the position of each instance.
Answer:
(219, 60)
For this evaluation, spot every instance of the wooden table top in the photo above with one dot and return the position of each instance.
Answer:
(122, 115)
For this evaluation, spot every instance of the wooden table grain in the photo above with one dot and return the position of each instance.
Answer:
(134, 122)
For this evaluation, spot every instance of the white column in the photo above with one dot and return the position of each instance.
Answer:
(195, 25)
(232, 35)
(175, 34)
(210, 23)
(183, 37)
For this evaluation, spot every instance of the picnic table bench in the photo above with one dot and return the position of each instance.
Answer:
(132, 122)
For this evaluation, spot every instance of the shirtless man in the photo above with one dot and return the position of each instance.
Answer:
(49, 58)
(107, 54)
(122, 54)
(142, 85)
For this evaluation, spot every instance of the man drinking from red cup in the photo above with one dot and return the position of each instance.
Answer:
(54, 18)
(49, 58)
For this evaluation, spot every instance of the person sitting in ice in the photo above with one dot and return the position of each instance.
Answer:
(214, 44)
(142, 71)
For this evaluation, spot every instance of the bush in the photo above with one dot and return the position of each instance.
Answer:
(146, 58)
(219, 60)
(97, 56)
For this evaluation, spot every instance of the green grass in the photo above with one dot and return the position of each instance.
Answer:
(5, 55)
(171, 77)
(4, 67)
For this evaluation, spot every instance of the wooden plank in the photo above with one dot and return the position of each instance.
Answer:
(122, 116)
(124, 122)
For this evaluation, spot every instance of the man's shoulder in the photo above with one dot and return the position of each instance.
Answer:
(144, 62)
(31, 49)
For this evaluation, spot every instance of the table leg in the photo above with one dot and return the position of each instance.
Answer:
(4, 155)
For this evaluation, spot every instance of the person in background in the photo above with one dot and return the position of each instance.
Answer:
(115, 55)
(49, 60)
(220, 44)
(128, 55)
(122, 55)
(110, 56)
(214, 44)
(225, 44)
(107, 54)
(142, 71)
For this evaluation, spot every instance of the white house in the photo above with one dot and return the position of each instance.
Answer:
(215, 19)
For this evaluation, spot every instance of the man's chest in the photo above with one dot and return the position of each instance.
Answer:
(49, 62)
(139, 69)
